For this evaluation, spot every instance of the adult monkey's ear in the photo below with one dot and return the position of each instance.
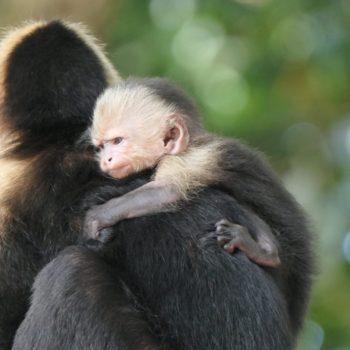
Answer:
(176, 137)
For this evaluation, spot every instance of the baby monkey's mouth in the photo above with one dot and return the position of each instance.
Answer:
(121, 172)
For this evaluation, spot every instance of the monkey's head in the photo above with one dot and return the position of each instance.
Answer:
(51, 74)
(134, 127)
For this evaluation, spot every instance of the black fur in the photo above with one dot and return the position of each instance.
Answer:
(192, 294)
(72, 308)
(160, 283)
(244, 174)
(249, 179)
(54, 69)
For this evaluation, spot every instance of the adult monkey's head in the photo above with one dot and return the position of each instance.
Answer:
(50, 76)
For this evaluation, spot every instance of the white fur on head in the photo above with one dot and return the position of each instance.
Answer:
(133, 106)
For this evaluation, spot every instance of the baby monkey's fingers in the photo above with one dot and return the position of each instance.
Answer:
(225, 226)
(91, 227)
(106, 235)
(224, 233)
(232, 237)
(103, 237)
(96, 219)
(229, 235)
(97, 230)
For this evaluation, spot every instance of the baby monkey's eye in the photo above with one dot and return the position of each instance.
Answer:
(117, 140)
(97, 148)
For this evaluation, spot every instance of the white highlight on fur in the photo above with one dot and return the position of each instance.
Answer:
(97, 47)
(16, 174)
(131, 107)
(12, 172)
(191, 170)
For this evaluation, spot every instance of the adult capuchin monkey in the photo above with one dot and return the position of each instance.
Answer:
(149, 123)
(162, 284)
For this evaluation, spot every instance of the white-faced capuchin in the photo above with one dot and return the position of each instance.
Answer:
(141, 124)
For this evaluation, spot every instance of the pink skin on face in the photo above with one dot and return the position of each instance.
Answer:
(116, 157)
(117, 153)
(121, 172)
(113, 160)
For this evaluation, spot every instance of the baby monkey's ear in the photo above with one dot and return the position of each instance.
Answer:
(176, 138)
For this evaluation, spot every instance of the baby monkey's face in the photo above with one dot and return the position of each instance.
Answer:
(124, 150)
(129, 141)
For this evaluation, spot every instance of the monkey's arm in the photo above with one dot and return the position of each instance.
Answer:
(153, 197)
(263, 250)
(156, 196)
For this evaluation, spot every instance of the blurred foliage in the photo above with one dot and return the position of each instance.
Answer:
(271, 72)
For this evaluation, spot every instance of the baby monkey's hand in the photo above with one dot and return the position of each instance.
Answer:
(96, 224)
(262, 251)
(232, 237)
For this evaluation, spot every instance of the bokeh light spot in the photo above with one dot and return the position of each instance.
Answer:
(171, 14)
(346, 247)
(224, 91)
(293, 38)
(197, 43)
(313, 336)
(340, 142)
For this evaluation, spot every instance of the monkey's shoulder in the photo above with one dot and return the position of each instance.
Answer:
(228, 152)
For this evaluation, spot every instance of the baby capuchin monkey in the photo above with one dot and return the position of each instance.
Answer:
(141, 124)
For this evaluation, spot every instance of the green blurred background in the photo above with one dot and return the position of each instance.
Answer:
(271, 72)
